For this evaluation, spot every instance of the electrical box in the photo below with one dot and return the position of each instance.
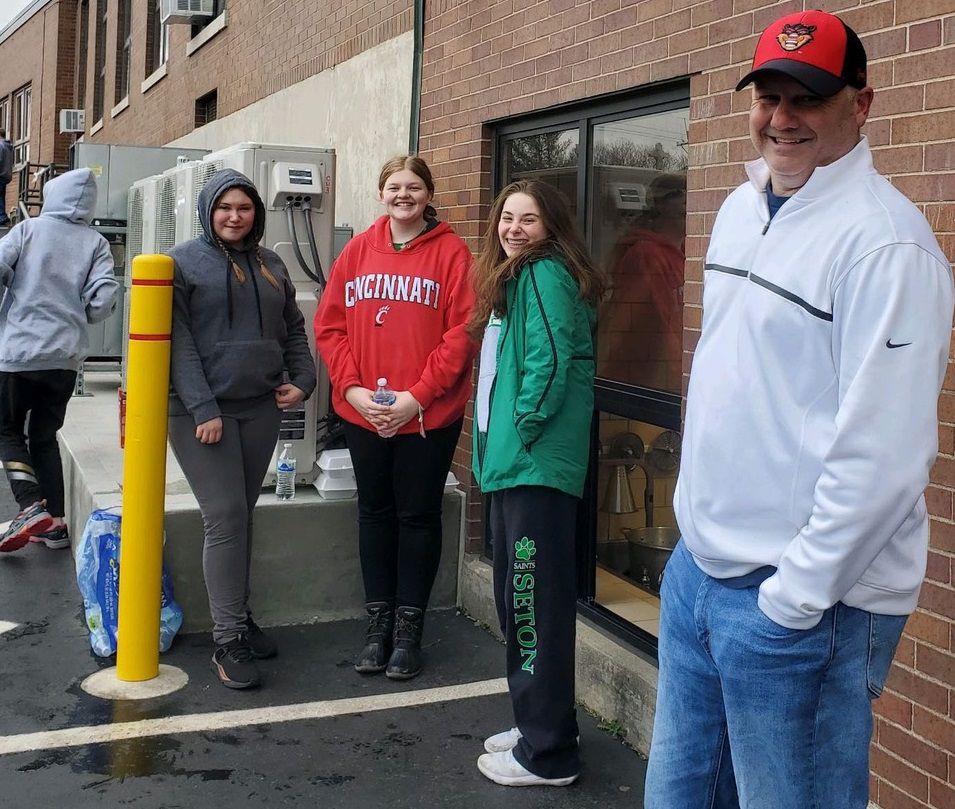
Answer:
(117, 167)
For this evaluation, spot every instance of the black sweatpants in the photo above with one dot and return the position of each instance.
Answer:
(533, 536)
(29, 449)
(400, 489)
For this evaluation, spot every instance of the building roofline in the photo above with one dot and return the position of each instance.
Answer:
(21, 18)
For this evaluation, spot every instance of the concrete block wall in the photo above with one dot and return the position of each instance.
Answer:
(492, 59)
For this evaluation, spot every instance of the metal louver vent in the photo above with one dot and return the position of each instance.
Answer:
(134, 229)
(166, 224)
(203, 172)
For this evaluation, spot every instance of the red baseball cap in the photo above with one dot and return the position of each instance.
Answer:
(816, 49)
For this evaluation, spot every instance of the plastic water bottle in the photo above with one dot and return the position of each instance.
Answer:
(383, 394)
(285, 474)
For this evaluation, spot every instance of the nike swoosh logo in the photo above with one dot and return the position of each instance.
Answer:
(890, 344)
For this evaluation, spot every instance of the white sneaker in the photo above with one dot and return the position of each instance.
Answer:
(503, 768)
(503, 741)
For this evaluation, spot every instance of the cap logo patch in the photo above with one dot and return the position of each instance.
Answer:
(794, 36)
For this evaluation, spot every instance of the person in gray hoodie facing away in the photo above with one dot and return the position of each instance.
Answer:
(239, 357)
(56, 276)
(6, 174)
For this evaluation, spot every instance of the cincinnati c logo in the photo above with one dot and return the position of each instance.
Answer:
(380, 317)
(794, 36)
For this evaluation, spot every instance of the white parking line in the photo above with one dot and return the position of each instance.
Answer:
(195, 723)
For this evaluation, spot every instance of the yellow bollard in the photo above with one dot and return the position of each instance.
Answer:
(144, 468)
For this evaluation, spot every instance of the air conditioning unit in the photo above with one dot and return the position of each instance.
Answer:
(72, 121)
(186, 11)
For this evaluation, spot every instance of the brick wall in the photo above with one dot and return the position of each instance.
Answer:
(266, 46)
(485, 60)
(41, 36)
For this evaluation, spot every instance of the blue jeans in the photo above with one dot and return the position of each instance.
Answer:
(752, 714)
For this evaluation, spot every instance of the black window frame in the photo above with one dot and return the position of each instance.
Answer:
(619, 398)
(99, 64)
(124, 47)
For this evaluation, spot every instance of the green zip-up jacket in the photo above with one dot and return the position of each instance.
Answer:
(542, 398)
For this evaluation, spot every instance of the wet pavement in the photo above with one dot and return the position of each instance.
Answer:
(419, 755)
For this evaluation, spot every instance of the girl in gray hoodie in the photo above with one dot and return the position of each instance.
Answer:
(239, 357)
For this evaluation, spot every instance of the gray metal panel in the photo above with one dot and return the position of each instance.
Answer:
(117, 167)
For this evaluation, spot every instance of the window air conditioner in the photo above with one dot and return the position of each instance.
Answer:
(186, 11)
(72, 121)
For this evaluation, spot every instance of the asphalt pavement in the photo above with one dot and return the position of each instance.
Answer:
(315, 735)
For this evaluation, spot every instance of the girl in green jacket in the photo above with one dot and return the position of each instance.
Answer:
(536, 294)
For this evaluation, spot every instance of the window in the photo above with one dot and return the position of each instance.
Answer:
(622, 165)
(157, 38)
(22, 104)
(217, 8)
(82, 51)
(206, 108)
(5, 114)
(123, 48)
(99, 78)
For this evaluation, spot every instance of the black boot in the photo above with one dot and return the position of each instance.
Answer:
(381, 620)
(405, 660)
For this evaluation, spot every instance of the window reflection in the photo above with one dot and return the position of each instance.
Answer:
(639, 225)
(550, 157)
(636, 527)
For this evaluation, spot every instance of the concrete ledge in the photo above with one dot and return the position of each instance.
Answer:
(615, 682)
(304, 553)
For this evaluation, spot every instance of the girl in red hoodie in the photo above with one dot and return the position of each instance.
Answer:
(397, 306)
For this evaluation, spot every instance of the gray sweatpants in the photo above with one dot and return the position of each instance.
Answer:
(226, 479)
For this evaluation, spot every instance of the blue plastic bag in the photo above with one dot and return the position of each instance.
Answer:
(97, 574)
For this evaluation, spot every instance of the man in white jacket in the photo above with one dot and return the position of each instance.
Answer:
(811, 427)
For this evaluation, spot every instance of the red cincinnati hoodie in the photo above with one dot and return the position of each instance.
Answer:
(401, 315)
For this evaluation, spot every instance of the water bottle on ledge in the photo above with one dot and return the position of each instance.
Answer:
(285, 474)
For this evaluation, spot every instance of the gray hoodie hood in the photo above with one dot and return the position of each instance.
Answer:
(71, 196)
(217, 185)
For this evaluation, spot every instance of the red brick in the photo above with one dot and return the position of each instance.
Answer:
(884, 43)
(928, 628)
(925, 35)
(892, 798)
(915, 751)
(898, 159)
(911, 10)
(938, 599)
(899, 773)
(935, 64)
(940, 665)
(941, 796)
(917, 688)
(894, 708)
(938, 730)
(942, 536)
(939, 503)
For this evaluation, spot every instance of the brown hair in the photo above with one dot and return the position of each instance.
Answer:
(494, 268)
(414, 164)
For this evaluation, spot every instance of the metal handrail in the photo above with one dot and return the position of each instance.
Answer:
(32, 178)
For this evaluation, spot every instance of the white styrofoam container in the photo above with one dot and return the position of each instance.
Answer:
(336, 488)
(336, 463)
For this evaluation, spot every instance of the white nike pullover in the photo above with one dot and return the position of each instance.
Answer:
(811, 421)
